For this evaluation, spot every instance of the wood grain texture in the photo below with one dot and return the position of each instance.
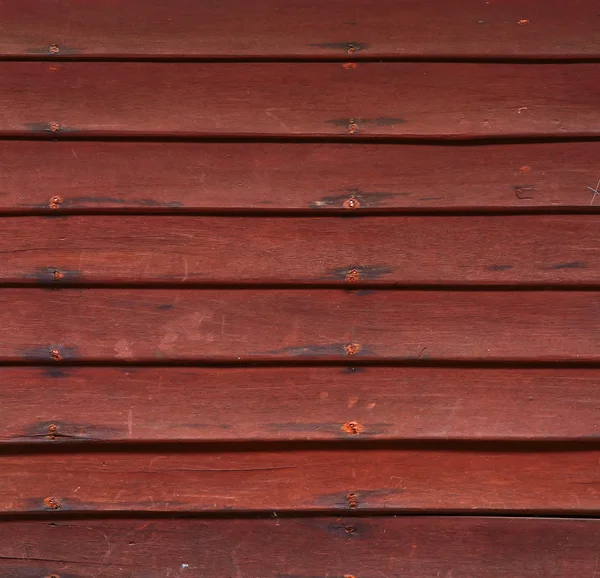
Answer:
(298, 29)
(412, 100)
(54, 405)
(333, 251)
(345, 480)
(411, 547)
(298, 325)
(168, 177)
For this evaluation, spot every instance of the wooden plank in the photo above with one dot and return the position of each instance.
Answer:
(411, 100)
(411, 547)
(333, 251)
(297, 29)
(300, 325)
(53, 405)
(124, 176)
(345, 480)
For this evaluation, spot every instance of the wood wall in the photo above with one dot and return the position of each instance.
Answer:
(299, 290)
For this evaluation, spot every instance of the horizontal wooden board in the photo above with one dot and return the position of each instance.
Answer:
(123, 176)
(298, 325)
(53, 405)
(346, 480)
(407, 546)
(538, 249)
(412, 100)
(299, 29)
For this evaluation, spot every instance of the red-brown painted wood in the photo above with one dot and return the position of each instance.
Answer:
(53, 405)
(345, 480)
(411, 547)
(412, 100)
(298, 29)
(339, 251)
(125, 176)
(297, 325)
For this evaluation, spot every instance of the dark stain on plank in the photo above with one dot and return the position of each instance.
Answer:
(358, 273)
(333, 350)
(54, 372)
(55, 50)
(351, 529)
(384, 121)
(53, 128)
(569, 265)
(353, 499)
(53, 275)
(500, 267)
(366, 430)
(51, 353)
(349, 47)
(76, 201)
(354, 370)
(166, 307)
(56, 430)
(365, 199)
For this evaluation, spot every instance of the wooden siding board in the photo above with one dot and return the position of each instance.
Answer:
(410, 547)
(503, 250)
(298, 29)
(411, 100)
(347, 480)
(51, 405)
(298, 325)
(168, 177)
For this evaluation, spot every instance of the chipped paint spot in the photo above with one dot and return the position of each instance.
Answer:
(122, 349)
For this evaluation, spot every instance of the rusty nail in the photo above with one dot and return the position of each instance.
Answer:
(52, 502)
(52, 431)
(55, 202)
(351, 203)
(523, 22)
(352, 427)
(353, 127)
(57, 275)
(348, 65)
(353, 348)
(53, 49)
(54, 126)
(351, 48)
(525, 169)
(353, 276)
(55, 354)
(351, 498)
